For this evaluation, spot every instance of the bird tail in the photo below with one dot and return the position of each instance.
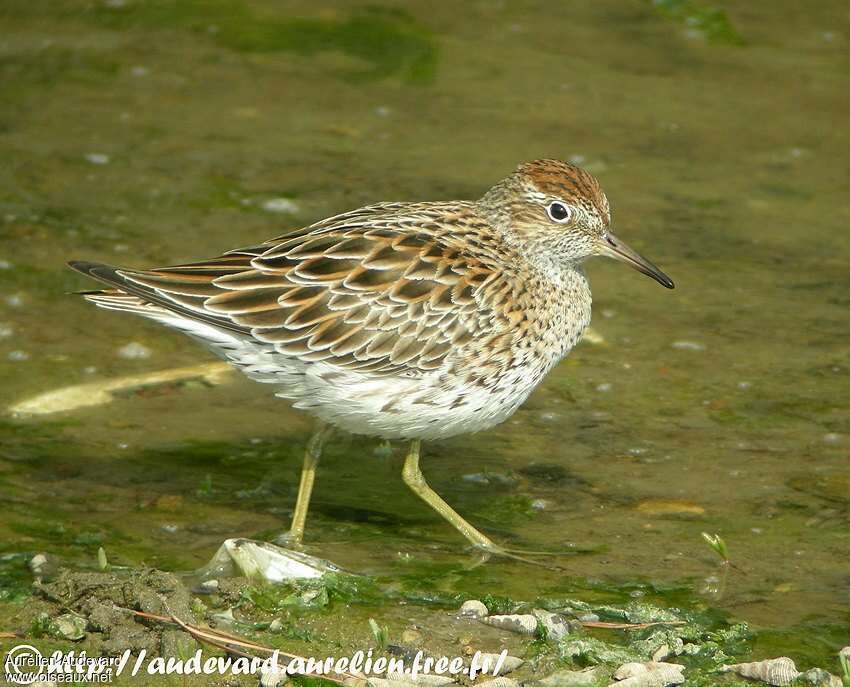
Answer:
(129, 295)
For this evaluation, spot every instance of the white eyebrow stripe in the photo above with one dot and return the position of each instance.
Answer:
(535, 195)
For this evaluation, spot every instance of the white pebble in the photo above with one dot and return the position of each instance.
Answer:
(97, 158)
(688, 346)
(272, 676)
(170, 528)
(38, 562)
(744, 385)
(280, 205)
(134, 351)
(832, 438)
(382, 111)
(6, 330)
(18, 356)
(473, 608)
(15, 300)
(604, 387)
(5, 265)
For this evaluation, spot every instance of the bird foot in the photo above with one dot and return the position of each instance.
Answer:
(289, 540)
(494, 550)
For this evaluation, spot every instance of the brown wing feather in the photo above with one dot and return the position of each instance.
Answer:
(384, 289)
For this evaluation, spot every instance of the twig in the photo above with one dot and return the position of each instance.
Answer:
(231, 643)
(630, 626)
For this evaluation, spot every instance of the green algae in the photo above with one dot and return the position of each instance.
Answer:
(388, 40)
(710, 22)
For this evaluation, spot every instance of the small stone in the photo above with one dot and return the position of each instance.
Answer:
(43, 565)
(68, 626)
(476, 478)
(661, 653)
(778, 672)
(649, 674)
(523, 624)
(134, 351)
(411, 636)
(818, 677)
(6, 330)
(498, 682)
(688, 346)
(18, 356)
(272, 676)
(139, 71)
(276, 625)
(210, 586)
(603, 387)
(557, 626)
(570, 678)
(97, 158)
(281, 205)
(473, 608)
(488, 663)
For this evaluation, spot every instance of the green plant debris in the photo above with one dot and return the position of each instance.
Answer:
(380, 633)
(102, 560)
(15, 579)
(710, 22)
(205, 489)
(844, 661)
(716, 544)
(388, 41)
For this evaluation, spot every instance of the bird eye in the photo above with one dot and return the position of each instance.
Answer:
(559, 212)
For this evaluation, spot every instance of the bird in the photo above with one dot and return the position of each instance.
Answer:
(408, 321)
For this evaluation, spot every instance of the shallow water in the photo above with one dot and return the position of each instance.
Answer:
(145, 133)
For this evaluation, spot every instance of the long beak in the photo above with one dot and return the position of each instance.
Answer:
(613, 247)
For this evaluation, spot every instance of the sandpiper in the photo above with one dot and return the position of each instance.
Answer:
(399, 320)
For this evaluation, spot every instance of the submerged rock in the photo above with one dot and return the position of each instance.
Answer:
(68, 626)
(649, 674)
(570, 678)
(264, 561)
(778, 672)
(817, 677)
(499, 682)
(473, 609)
(557, 626)
(523, 624)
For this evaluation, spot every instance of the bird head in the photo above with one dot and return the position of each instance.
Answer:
(556, 210)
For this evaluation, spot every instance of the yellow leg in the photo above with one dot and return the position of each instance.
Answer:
(414, 479)
(308, 476)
